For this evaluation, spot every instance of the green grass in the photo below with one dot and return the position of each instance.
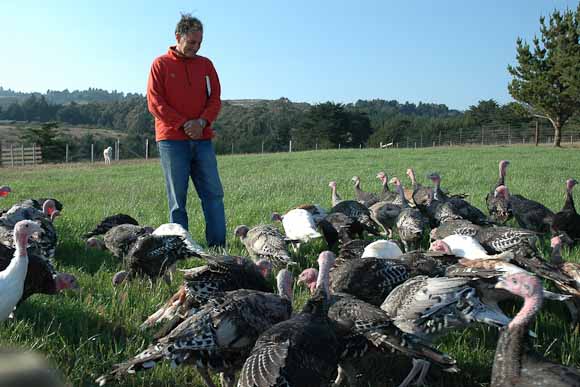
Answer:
(85, 333)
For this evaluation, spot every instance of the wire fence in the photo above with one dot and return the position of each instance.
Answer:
(18, 154)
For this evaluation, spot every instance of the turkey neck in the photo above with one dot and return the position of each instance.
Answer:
(323, 279)
(532, 305)
(401, 193)
(438, 194)
(569, 203)
(385, 182)
(556, 258)
(501, 179)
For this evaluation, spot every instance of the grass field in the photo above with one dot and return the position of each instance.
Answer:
(85, 333)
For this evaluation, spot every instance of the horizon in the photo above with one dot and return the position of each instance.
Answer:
(449, 53)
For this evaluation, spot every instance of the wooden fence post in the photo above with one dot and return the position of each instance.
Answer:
(146, 149)
(12, 155)
(33, 154)
(92, 153)
(290, 147)
(22, 154)
(66, 154)
(537, 133)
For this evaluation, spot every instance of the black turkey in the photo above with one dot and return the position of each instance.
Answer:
(365, 198)
(119, 239)
(497, 205)
(411, 223)
(109, 222)
(567, 219)
(153, 256)
(302, 351)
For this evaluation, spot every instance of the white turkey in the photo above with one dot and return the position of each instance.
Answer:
(299, 225)
(219, 337)
(465, 246)
(12, 278)
(265, 241)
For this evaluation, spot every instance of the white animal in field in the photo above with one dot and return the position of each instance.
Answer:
(107, 153)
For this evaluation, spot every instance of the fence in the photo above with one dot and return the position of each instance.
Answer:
(14, 155)
(18, 156)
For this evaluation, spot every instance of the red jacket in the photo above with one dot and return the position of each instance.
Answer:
(181, 89)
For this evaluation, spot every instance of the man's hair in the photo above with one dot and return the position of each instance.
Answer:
(188, 24)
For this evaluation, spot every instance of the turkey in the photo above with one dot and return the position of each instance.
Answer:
(515, 363)
(109, 222)
(529, 214)
(567, 219)
(387, 195)
(518, 244)
(372, 328)
(422, 196)
(385, 214)
(372, 279)
(429, 307)
(465, 246)
(357, 212)
(497, 205)
(220, 336)
(299, 225)
(153, 256)
(453, 207)
(220, 274)
(265, 241)
(365, 198)
(41, 277)
(571, 269)
(13, 276)
(4, 191)
(119, 239)
(411, 223)
(335, 198)
(302, 351)
(494, 239)
(43, 245)
(337, 227)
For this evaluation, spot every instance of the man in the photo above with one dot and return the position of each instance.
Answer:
(183, 94)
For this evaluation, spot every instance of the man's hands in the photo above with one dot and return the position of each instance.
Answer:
(193, 129)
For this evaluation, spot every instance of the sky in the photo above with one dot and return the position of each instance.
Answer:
(452, 52)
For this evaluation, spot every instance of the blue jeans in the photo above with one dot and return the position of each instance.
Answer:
(195, 159)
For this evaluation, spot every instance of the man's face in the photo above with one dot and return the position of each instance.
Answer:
(188, 44)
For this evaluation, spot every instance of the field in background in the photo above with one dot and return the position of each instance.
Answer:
(84, 334)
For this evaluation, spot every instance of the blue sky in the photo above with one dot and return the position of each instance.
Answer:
(453, 52)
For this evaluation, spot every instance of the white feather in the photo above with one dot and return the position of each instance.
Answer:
(382, 249)
(299, 225)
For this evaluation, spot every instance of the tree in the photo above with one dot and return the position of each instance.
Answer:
(47, 136)
(547, 79)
